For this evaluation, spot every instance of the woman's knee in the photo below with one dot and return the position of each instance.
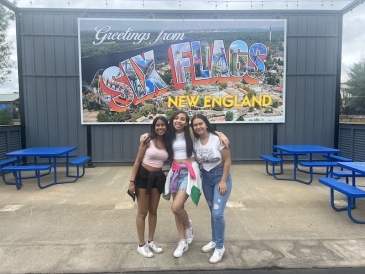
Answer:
(176, 209)
(217, 215)
(142, 215)
(152, 212)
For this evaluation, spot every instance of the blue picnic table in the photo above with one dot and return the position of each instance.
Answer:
(297, 150)
(53, 153)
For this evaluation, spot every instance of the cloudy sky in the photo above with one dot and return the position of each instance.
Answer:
(353, 25)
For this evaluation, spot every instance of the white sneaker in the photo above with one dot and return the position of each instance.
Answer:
(155, 247)
(208, 247)
(189, 233)
(181, 248)
(217, 256)
(145, 251)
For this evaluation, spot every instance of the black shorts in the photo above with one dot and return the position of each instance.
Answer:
(148, 180)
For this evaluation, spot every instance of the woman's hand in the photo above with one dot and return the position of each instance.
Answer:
(144, 139)
(222, 188)
(132, 188)
(223, 138)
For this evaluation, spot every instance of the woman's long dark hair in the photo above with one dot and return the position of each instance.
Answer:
(153, 128)
(171, 136)
(205, 120)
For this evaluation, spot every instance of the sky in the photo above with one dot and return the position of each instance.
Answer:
(353, 36)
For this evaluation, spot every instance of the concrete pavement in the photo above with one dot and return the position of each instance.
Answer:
(89, 227)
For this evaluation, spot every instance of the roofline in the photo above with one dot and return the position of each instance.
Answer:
(261, 11)
(344, 10)
(351, 6)
(9, 5)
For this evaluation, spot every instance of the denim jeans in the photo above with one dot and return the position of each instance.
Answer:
(216, 202)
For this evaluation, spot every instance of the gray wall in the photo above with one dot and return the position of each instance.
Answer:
(49, 45)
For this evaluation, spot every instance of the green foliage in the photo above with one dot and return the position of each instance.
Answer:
(222, 86)
(147, 109)
(102, 116)
(217, 108)
(275, 103)
(169, 113)
(167, 76)
(240, 118)
(107, 116)
(229, 116)
(200, 103)
(268, 110)
(123, 116)
(356, 84)
(5, 116)
(250, 92)
(93, 105)
(6, 64)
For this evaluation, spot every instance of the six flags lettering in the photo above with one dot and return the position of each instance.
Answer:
(136, 80)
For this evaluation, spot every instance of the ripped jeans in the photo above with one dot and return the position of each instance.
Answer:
(216, 202)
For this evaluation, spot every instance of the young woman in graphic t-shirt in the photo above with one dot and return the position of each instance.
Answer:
(147, 182)
(215, 159)
(183, 179)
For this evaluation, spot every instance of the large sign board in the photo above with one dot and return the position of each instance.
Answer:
(229, 70)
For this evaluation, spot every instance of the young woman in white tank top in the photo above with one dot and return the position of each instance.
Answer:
(179, 145)
(183, 179)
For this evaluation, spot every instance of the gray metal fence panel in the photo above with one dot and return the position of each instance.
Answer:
(10, 140)
(52, 95)
(352, 141)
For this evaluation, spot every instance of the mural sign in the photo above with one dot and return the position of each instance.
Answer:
(229, 70)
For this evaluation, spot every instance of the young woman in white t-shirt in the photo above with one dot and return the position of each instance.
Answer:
(215, 159)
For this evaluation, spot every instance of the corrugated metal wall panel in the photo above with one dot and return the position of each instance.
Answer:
(359, 144)
(51, 90)
(345, 142)
(116, 143)
(10, 140)
(352, 141)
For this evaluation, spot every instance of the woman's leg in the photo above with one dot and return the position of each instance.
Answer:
(143, 201)
(181, 216)
(218, 207)
(208, 190)
(152, 213)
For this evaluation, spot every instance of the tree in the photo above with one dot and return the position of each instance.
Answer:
(356, 84)
(240, 118)
(6, 64)
(229, 116)
(5, 116)
(275, 103)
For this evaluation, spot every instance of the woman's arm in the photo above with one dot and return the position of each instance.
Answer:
(222, 138)
(137, 162)
(226, 156)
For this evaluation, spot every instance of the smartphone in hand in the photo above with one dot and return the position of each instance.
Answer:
(132, 195)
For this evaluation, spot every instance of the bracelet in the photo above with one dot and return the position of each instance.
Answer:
(131, 181)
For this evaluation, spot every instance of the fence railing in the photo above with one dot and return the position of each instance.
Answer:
(351, 140)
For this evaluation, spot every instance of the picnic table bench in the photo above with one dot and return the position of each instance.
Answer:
(17, 170)
(8, 161)
(351, 192)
